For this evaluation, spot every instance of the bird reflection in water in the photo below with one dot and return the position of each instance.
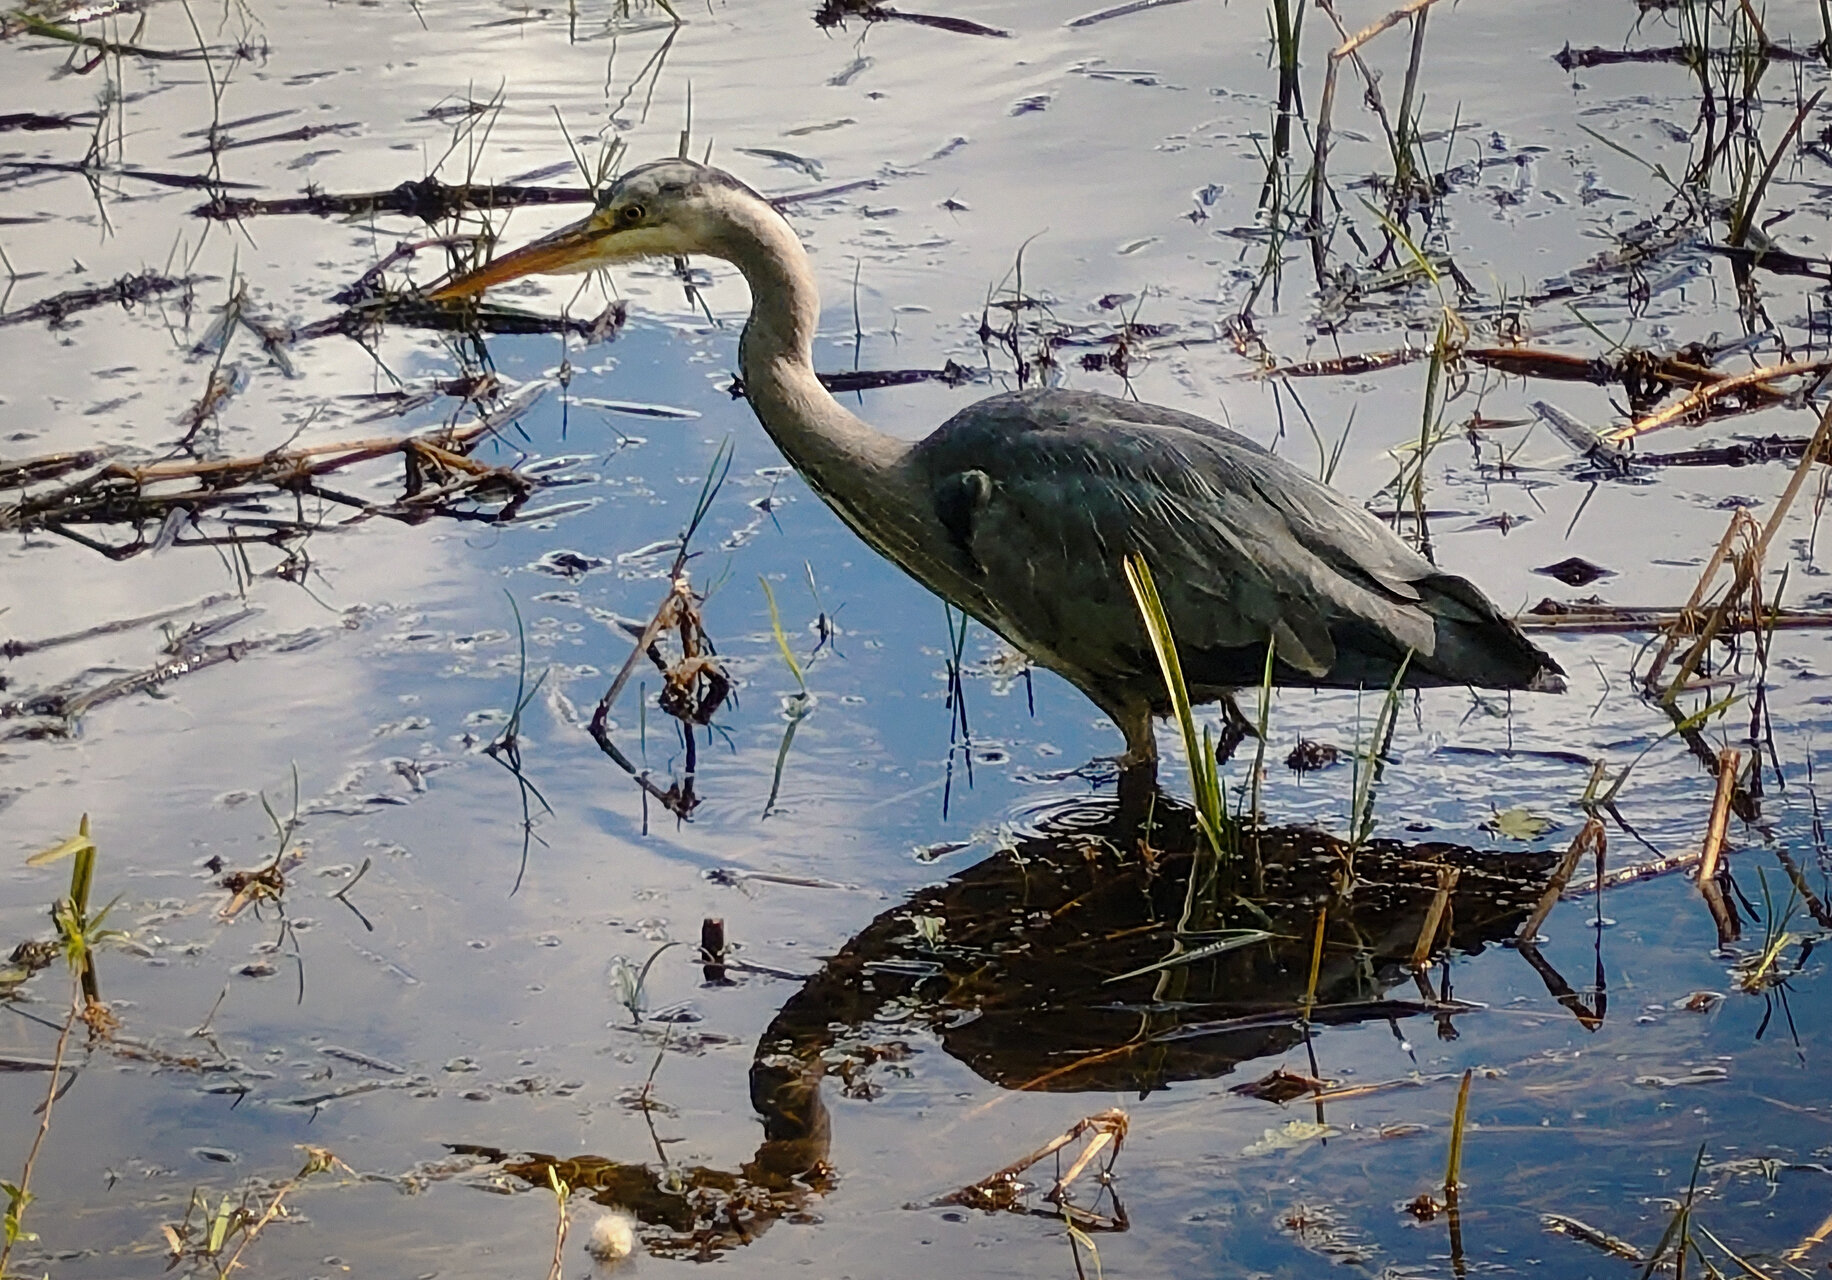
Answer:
(1042, 968)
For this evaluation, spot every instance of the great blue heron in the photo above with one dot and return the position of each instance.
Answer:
(1020, 508)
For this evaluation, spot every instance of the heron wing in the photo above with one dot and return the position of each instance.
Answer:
(1045, 492)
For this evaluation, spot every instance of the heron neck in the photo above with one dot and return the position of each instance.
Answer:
(850, 464)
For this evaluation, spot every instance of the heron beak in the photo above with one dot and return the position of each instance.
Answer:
(579, 247)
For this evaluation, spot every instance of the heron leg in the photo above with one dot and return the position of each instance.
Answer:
(1134, 720)
(1138, 784)
(1139, 796)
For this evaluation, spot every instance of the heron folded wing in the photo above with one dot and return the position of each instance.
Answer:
(1243, 546)
(1196, 458)
(1047, 546)
(1307, 646)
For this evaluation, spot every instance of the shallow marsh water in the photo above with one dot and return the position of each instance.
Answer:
(454, 1011)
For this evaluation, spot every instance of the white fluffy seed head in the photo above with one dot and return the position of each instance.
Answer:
(613, 1237)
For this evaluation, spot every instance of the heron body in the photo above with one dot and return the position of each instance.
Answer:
(1021, 508)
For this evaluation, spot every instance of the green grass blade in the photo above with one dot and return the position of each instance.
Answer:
(1361, 817)
(782, 641)
(1203, 776)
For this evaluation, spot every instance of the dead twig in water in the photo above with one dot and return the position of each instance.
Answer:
(427, 199)
(1778, 261)
(1596, 56)
(834, 13)
(1120, 11)
(19, 648)
(410, 311)
(126, 291)
(1744, 453)
(1564, 1224)
(34, 121)
(55, 713)
(1434, 922)
(1591, 838)
(1003, 1191)
(1630, 875)
(1746, 585)
(1751, 389)
(1729, 763)
(432, 201)
(694, 685)
(170, 497)
(93, 170)
(1343, 366)
(1645, 376)
(1609, 619)
(848, 380)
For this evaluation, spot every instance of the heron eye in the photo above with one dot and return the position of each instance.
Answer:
(630, 214)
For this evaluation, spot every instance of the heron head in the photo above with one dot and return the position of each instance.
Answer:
(663, 209)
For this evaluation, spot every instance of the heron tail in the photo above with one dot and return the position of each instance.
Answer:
(1477, 645)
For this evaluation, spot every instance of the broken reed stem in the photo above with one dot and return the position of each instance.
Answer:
(1434, 917)
(1743, 584)
(1107, 1126)
(1617, 620)
(1729, 763)
(1632, 875)
(1591, 836)
(1316, 962)
(1374, 28)
(1320, 161)
(1749, 569)
(1814, 450)
(1094, 1148)
(1755, 23)
(1687, 614)
(1819, 1236)
(1454, 1165)
(1816, 907)
(268, 1215)
(659, 622)
(1702, 397)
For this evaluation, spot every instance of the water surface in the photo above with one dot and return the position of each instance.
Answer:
(457, 1013)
